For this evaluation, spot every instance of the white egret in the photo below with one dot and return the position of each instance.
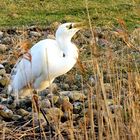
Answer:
(45, 61)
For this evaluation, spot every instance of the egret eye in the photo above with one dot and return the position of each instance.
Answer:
(70, 26)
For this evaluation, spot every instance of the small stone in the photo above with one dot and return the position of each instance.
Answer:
(22, 112)
(28, 117)
(109, 101)
(3, 47)
(3, 81)
(45, 103)
(5, 112)
(73, 95)
(50, 36)
(107, 87)
(25, 103)
(53, 88)
(3, 100)
(53, 98)
(1, 66)
(115, 108)
(6, 40)
(103, 42)
(75, 87)
(61, 100)
(67, 106)
(1, 34)
(77, 107)
(54, 114)
(76, 96)
(35, 34)
(2, 72)
(65, 86)
(16, 117)
(65, 98)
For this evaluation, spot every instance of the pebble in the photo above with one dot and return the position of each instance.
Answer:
(54, 114)
(74, 95)
(50, 36)
(65, 86)
(2, 48)
(1, 66)
(22, 112)
(1, 34)
(45, 103)
(35, 34)
(16, 117)
(67, 106)
(77, 107)
(53, 88)
(7, 40)
(5, 112)
(115, 108)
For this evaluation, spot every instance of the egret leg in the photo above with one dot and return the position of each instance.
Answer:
(35, 99)
(39, 109)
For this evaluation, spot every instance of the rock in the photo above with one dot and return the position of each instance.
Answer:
(107, 87)
(35, 34)
(22, 112)
(74, 87)
(93, 80)
(1, 34)
(16, 117)
(77, 107)
(3, 81)
(108, 90)
(54, 114)
(45, 103)
(53, 98)
(6, 40)
(61, 100)
(1, 66)
(25, 103)
(5, 112)
(3, 100)
(135, 37)
(73, 95)
(65, 86)
(2, 71)
(53, 88)
(76, 96)
(67, 106)
(44, 93)
(3, 48)
(28, 117)
(115, 108)
(110, 101)
(50, 36)
(86, 103)
(103, 42)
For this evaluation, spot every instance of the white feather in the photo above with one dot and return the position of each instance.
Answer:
(49, 59)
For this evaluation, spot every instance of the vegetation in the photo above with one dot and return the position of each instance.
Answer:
(44, 12)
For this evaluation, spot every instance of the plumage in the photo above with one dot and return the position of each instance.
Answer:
(48, 59)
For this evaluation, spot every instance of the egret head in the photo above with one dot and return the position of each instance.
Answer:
(67, 30)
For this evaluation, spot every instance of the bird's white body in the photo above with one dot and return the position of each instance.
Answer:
(49, 59)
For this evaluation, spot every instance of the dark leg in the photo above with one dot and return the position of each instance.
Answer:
(35, 97)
